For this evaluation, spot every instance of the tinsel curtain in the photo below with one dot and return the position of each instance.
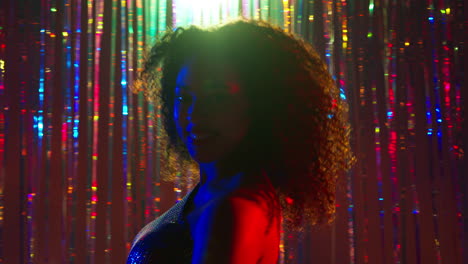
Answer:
(79, 159)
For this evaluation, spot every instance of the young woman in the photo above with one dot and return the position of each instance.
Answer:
(255, 114)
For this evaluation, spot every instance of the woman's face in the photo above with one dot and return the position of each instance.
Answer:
(210, 110)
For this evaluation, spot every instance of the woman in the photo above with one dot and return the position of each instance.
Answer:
(254, 112)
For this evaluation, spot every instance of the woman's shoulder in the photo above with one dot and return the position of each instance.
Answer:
(163, 238)
(253, 199)
(256, 188)
(239, 224)
(255, 191)
(172, 215)
(249, 190)
(162, 243)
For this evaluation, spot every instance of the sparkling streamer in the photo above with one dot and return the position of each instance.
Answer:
(446, 69)
(391, 78)
(287, 16)
(125, 120)
(93, 92)
(24, 180)
(343, 71)
(378, 143)
(110, 175)
(68, 142)
(378, 152)
(412, 165)
(76, 43)
(2, 121)
(329, 35)
(457, 150)
(435, 190)
(49, 69)
(263, 12)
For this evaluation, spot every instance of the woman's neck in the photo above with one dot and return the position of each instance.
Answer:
(215, 177)
(211, 173)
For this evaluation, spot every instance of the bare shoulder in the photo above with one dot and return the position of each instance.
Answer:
(231, 231)
(250, 197)
(240, 206)
(234, 227)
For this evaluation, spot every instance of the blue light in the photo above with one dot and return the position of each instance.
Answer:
(431, 19)
(40, 126)
(123, 82)
(380, 199)
(330, 116)
(342, 94)
(124, 110)
(439, 120)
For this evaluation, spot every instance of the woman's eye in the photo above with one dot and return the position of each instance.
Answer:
(183, 98)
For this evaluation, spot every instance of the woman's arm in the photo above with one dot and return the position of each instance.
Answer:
(231, 231)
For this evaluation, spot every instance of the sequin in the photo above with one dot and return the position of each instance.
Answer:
(166, 239)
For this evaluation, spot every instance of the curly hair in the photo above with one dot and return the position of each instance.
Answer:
(300, 129)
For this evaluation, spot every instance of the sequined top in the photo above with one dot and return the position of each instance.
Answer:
(166, 239)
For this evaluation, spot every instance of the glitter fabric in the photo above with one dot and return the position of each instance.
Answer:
(166, 239)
